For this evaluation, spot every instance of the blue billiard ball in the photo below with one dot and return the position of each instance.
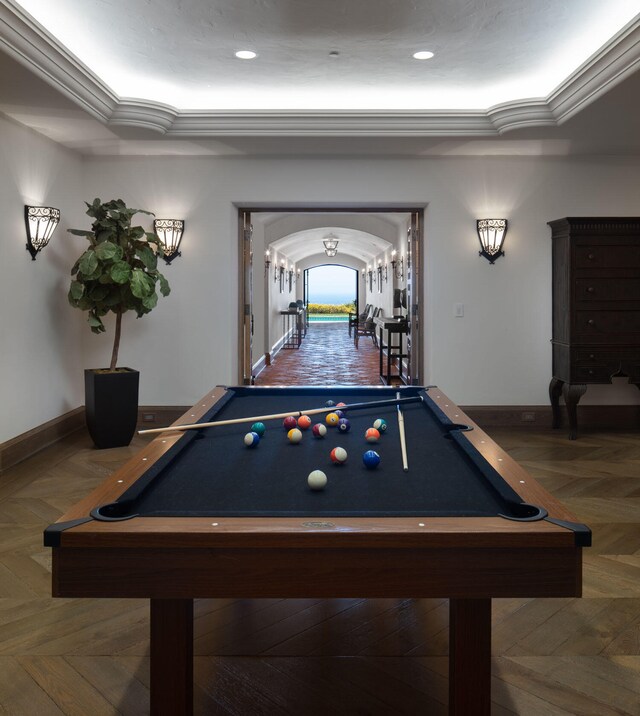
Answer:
(329, 404)
(371, 459)
(380, 424)
(251, 439)
(259, 428)
(344, 425)
(339, 413)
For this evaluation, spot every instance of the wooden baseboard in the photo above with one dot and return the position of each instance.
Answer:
(607, 417)
(27, 444)
(157, 416)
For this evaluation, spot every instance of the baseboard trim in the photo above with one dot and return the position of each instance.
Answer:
(608, 417)
(21, 447)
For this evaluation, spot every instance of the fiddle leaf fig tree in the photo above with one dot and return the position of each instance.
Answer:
(118, 272)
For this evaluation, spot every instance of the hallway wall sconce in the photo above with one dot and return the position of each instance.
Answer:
(169, 232)
(491, 233)
(281, 275)
(41, 222)
(370, 275)
(267, 262)
(290, 279)
(397, 266)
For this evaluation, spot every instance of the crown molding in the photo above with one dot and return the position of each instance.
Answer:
(31, 45)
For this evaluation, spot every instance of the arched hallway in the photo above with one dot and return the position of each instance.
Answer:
(327, 356)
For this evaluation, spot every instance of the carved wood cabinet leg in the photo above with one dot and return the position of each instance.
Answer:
(572, 394)
(555, 390)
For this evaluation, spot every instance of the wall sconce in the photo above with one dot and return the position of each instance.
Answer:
(491, 233)
(290, 279)
(267, 262)
(280, 273)
(397, 266)
(370, 274)
(169, 232)
(41, 222)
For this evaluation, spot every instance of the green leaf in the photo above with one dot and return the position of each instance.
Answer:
(164, 285)
(76, 290)
(151, 301)
(98, 292)
(147, 257)
(120, 272)
(96, 325)
(141, 284)
(106, 251)
(80, 232)
(88, 262)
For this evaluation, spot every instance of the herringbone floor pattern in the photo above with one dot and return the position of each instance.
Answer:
(554, 657)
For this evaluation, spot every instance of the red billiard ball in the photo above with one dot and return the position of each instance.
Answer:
(338, 455)
(341, 405)
(304, 422)
(289, 422)
(319, 430)
(372, 435)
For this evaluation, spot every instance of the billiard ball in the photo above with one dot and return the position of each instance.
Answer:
(344, 425)
(317, 480)
(341, 405)
(332, 419)
(372, 435)
(259, 428)
(339, 413)
(380, 424)
(371, 459)
(289, 422)
(294, 435)
(251, 439)
(319, 430)
(304, 422)
(338, 455)
(329, 404)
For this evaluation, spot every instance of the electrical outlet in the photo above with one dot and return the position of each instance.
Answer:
(458, 310)
(148, 417)
(528, 417)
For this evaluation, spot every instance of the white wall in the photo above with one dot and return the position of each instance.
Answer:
(40, 365)
(499, 353)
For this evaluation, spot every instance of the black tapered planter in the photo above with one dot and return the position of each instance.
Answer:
(111, 405)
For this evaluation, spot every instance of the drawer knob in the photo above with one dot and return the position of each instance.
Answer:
(591, 289)
(591, 322)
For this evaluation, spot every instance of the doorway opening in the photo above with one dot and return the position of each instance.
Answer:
(279, 246)
(331, 293)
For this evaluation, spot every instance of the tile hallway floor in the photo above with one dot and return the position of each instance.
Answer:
(327, 356)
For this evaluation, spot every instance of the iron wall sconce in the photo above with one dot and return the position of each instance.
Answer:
(290, 280)
(491, 233)
(280, 273)
(370, 274)
(267, 262)
(169, 232)
(41, 222)
(397, 266)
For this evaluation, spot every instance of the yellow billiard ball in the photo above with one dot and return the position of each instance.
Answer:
(332, 419)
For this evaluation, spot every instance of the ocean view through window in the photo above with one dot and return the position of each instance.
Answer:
(331, 293)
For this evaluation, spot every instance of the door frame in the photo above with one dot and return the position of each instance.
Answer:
(415, 275)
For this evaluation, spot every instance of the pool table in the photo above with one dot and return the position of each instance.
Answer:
(196, 514)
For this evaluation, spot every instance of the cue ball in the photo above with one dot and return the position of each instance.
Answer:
(304, 422)
(294, 435)
(371, 459)
(372, 435)
(338, 455)
(344, 425)
(380, 424)
(289, 422)
(317, 480)
(319, 430)
(332, 419)
(251, 439)
(259, 428)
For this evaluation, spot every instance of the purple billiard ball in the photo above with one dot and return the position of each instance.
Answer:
(344, 425)
(371, 459)
(289, 423)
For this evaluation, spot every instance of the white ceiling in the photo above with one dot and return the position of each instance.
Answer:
(160, 76)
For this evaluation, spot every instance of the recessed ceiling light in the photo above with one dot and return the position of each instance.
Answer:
(246, 54)
(422, 55)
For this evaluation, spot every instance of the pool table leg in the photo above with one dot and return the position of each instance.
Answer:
(470, 657)
(172, 657)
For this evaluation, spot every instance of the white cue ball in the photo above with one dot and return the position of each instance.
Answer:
(317, 480)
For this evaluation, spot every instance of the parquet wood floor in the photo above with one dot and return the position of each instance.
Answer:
(552, 657)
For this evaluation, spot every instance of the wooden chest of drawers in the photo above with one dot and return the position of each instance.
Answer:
(596, 307)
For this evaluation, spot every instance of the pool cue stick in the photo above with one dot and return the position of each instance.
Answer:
(275, 416)
(403, 440)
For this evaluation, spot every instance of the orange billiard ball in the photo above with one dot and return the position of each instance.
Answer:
(304, 422)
